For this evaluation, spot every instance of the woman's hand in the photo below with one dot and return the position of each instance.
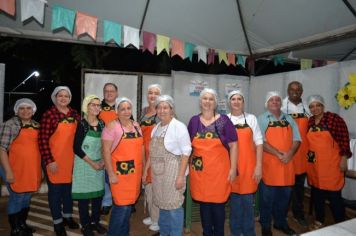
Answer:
(53, 167)
(343, 164)
(179, 182)
(97, 165)
(232, 175)
(144, 177)
(113, 178)
(257, 174)
(10, 177)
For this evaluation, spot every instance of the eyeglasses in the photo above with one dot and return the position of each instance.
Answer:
(95, 105)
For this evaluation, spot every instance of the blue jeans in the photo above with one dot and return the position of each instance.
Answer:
(171, 222)
(119, 221)
(107, 199)
(83, 205)
(212, 218)
(274, 201)
(242, 215)
(58, 195)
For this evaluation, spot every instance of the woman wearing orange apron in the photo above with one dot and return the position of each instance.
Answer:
(21, 162)
(56, 138)
(281, 141)
(122, 150)
(327, 160)
(249, 167)
(213, 162)
(148, 121)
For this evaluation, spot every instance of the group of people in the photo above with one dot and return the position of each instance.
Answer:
(106, 157)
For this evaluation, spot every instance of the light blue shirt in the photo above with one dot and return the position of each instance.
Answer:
(266, 117)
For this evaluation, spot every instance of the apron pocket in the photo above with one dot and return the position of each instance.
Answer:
(197, 163)
(125, 167)
(311, 157)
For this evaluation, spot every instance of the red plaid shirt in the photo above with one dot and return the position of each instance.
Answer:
(49, 123)
(338, 130)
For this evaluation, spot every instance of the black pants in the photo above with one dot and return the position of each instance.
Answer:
(83, 206)
(297, 197)
(336, 204)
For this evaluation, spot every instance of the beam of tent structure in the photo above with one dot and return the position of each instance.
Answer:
(144, 16)
(349, 6)
(348, 54)
(243, 26)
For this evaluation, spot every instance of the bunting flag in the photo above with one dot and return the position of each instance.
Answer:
(211, 56)
(291, 56)
(306, 64)
(62, 17)
(86, 24)
(149, 42)
(201, 53)
(241, 60)
(231, 58)
(131, 36)
(177, 48)
(278, 60)
(112, 31)
(33, 8)
(188, 50)
(319, 63)
(8, 6)
(162, 44)
(222, 56)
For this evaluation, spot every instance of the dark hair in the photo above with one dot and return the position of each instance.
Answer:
(296, 83)
(112, 84)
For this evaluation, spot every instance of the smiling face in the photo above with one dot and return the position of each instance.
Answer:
(207, 102)
(124, 111)
(152, 94)
(94, 107)
(237, 103)
(316, 109)
(25, 113)
(295, 92)
(62, 98)
(274, 105)
(110, 94)
(164, 112)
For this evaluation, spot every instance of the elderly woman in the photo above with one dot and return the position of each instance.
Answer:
(249, 165)
(213, 164)
(21, 161)
(88, 172)
(56, 138)
(148, 121)
(327, 159)
(170, 149)
(122, 150)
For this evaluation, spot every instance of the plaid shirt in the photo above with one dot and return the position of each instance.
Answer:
(9, 130)
(338, 130)
(49, 123)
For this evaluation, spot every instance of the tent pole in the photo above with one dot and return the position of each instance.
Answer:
(348, 54)
(144, 15)
(349, 6)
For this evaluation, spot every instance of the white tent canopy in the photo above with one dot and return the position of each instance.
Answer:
(315, 29)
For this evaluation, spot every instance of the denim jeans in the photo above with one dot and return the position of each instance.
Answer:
(212, 218)
(297, 197)
(107, 199)
(242, 220)
(171, 222)
(58, 195)
(274, 202)
(119, 221)
(83, 206)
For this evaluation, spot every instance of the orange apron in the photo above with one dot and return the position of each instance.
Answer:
(127, 164)
(299, 160)
(324, 160)
(61, 145)
(25, 161)
(147, 127)
(107, 115)
(279, 134)
(246, 161)
(209, 169)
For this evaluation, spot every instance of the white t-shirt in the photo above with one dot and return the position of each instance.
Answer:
(289, 107)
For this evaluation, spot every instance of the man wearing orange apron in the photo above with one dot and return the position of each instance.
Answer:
(281, 141)
(295, 107)
(20, 163)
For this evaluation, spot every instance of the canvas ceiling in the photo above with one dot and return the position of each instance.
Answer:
(270, 24)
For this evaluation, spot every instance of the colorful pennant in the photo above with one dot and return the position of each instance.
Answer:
(201, 53)
(222, 56)
(162, 44)
(112, 31)
(211, 56)
(131, 36)
(177, 48)
(86, 24)
(306, 64)
(149, 42)
(231, 59)
(62, 17)
(8, 6)
(188, 50)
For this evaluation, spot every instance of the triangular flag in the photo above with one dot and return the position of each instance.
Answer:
(306, 64)
(278, 60)
(162, 44)
(149, 42)
(291, 56)
(211, 56)
(8, 6)
(241, 60)
(231, 58)
(201, 53)
(62, 17)
(86, 24)
(177, 48)
(222, 56)
(32, 8)
(188, 50)
(112, 31)
(131, 36)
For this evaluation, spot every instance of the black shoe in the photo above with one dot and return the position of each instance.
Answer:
(266, 231)
(105, 210)
(22, 221)
(287, 230)
(87, 230)
(16, 230)
(70, 223)
(60, 230)
(98, 228)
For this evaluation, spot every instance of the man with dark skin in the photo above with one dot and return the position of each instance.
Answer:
(295, 107)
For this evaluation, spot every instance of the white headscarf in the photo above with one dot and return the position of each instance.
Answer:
(271, 94)
(25, 102)
(211, 91)
(157, 86)
(316, 98)
(56, 91)
(165, 98)
(119, 100)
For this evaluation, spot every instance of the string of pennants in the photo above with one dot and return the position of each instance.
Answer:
(63, 18)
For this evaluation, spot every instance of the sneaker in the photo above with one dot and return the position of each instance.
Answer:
(301, 221)
(70, 223)
(154, 227)
(147, 221)
(87, 230)
(316, 225)
(99, 228)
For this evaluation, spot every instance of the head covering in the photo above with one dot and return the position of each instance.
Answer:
(56, 91)
(86, 102)
(165, 98)
(119, 100)
(271, 94)
(157, 86)
(234, 92)
(211, 91)
(24, 102)
(316, 98)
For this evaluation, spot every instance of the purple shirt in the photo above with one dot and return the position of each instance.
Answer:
(223, 126)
